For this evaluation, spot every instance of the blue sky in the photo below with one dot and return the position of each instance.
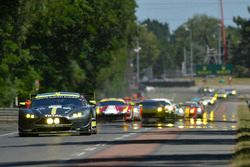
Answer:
(176, 12)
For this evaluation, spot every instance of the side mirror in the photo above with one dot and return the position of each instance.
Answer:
(92, 102)
(248, 103)
(22, 105)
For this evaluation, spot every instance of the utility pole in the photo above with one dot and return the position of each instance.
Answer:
(223, 32)
(191, 49)
(184, 67)
(219, 43)
(191, 52)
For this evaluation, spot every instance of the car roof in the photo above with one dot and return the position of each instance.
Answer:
(57, 95)
(162, 99)
(112, 99)
(190, 102)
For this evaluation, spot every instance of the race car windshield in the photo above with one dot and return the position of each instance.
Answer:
(56, 101)
(113, 103)
(152, 103)
(191, 105)
(221, 91)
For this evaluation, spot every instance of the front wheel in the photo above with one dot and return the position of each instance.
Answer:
(89, 130)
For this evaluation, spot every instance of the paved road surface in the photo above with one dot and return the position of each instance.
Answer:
(184, 143)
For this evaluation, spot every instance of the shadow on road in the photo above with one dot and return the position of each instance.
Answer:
(221, 141)
(151, 160)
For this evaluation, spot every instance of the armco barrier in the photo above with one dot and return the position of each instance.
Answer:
(8, 114)
(169, 83)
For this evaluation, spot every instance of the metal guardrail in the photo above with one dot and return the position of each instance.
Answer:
(8, 114)
(169, 83)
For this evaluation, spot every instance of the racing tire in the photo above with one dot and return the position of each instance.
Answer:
(89, 131)
(94, 131)
(27, 135)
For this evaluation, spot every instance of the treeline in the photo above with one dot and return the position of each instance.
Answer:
(64, 45)
(205, 33)
(89, 46)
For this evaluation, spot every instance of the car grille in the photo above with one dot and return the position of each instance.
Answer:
(62, 121)
(152, 115)
(44, 129)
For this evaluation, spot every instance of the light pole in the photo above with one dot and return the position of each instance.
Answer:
(137, 51)
(191, 49)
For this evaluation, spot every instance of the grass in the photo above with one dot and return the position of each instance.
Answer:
(221, 81)
(242, 149)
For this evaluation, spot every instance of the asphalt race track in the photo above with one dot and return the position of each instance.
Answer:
(182, 143)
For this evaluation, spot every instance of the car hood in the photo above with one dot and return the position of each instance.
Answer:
(56, 110)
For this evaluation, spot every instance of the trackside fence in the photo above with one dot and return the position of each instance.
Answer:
(8, 114)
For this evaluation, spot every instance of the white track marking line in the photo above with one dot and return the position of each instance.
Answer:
(90, 149)
(128, 135)
(78, 154)
(100, 145)
(81, 154)
(8, 134)
(119, 138)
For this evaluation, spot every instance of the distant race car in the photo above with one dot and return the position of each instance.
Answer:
(112, 108)
(179, 112)
(154, 110)
(221, 94)
(207, 100)
(193, 109)
(134, 112)
(57, 112)
(206, 90)
(231, 91)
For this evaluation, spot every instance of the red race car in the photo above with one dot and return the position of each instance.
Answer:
(193, 109)
(112, 108)
(134, 112)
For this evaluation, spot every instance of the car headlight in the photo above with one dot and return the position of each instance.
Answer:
(181, 111)
(56, 120)
(51, 121)
(159, 109)
(135, 109)
(77, 115)
(170, 108)
(30, 116)
(205, 103)
(234, 92)
(97, 110)
(192, 111)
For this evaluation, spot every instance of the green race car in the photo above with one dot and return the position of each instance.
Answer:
(57, 112)
(157, 110)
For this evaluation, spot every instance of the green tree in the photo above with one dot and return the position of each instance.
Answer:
(164, 61)
(150, 49)
(241, 52)
(205, 33)
(79, 45)
(17, 76)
